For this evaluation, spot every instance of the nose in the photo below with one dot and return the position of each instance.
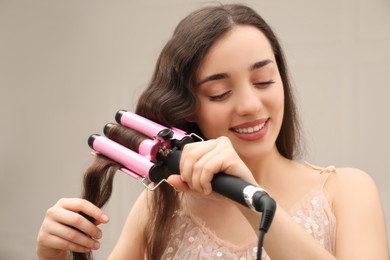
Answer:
(248, 101)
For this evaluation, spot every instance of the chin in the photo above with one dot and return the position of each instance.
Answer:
(254, 151)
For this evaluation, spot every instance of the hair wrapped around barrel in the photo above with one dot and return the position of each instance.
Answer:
(98, 178)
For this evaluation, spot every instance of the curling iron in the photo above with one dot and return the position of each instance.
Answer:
(158, 156)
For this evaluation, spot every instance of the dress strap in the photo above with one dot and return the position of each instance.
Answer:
(329, 169)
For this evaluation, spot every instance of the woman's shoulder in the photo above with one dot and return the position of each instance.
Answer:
(344, 183)
(357, 206)
(344, 179)
(346, 186)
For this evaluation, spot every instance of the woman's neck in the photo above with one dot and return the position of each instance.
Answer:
(266, 168)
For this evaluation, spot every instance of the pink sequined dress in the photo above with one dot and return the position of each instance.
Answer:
(191, 239)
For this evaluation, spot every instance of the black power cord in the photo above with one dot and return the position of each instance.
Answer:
(260, 244)
(265, 204)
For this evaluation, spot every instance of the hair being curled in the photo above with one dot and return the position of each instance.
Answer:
(98, 178)
(170, 99)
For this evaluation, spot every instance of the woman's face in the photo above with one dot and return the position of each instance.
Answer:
(240, 92)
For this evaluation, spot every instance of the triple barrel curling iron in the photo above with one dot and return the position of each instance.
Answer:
(158, 155)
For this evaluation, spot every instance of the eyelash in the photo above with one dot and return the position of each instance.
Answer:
(225, 94)
(220, 97)
(264, 84)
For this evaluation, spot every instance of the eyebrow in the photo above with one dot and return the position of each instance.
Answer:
(260, 64)
(219, 76)
(214, 77)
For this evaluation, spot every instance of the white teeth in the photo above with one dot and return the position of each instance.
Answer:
(249, 130)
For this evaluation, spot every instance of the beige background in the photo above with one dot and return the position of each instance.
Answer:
(67, 66)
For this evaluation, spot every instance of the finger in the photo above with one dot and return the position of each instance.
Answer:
(85, 206)
(188, 158)
(70, 237)
(191, 154)
(205, 169)
(176, 181)
(54, 242)
(73, 219)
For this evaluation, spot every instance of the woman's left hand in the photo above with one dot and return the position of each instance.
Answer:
(201, 160)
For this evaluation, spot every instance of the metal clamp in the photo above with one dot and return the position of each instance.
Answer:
(146, 183)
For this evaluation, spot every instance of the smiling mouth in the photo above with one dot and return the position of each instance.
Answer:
(249, 130)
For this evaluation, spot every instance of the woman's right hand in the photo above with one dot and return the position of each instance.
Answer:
(64, 229)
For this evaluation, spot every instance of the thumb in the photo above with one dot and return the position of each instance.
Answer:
(176, 182)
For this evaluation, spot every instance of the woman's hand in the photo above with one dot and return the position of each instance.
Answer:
(64, 229)
(201, 160)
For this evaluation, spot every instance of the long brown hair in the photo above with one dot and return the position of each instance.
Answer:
(170, 98)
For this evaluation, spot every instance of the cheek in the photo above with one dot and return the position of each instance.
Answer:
(276, 104)
(276, 99)
(211, 120)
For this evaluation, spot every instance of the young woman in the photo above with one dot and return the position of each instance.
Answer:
(223, 76)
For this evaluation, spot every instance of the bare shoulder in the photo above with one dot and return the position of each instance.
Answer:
(357, 206)
(349, 185)
(350, 179)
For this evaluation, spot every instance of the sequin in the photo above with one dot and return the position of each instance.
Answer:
(175, 213)
(311, 213)
(254, 252)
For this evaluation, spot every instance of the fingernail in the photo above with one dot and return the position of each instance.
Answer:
(99, 235)
(104, 218)
(96, 245)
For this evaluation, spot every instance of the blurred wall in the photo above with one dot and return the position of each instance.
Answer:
(66, 67)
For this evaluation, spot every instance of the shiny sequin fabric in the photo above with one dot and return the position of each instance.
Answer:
(314, 214)
(191, 239)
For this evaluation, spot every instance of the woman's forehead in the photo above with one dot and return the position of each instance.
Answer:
(243, 45)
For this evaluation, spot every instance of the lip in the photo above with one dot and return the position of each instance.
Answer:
(251, 124)
(252, 136)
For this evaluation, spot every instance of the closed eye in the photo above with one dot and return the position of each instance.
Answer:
(220, 97)
(264, 84)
